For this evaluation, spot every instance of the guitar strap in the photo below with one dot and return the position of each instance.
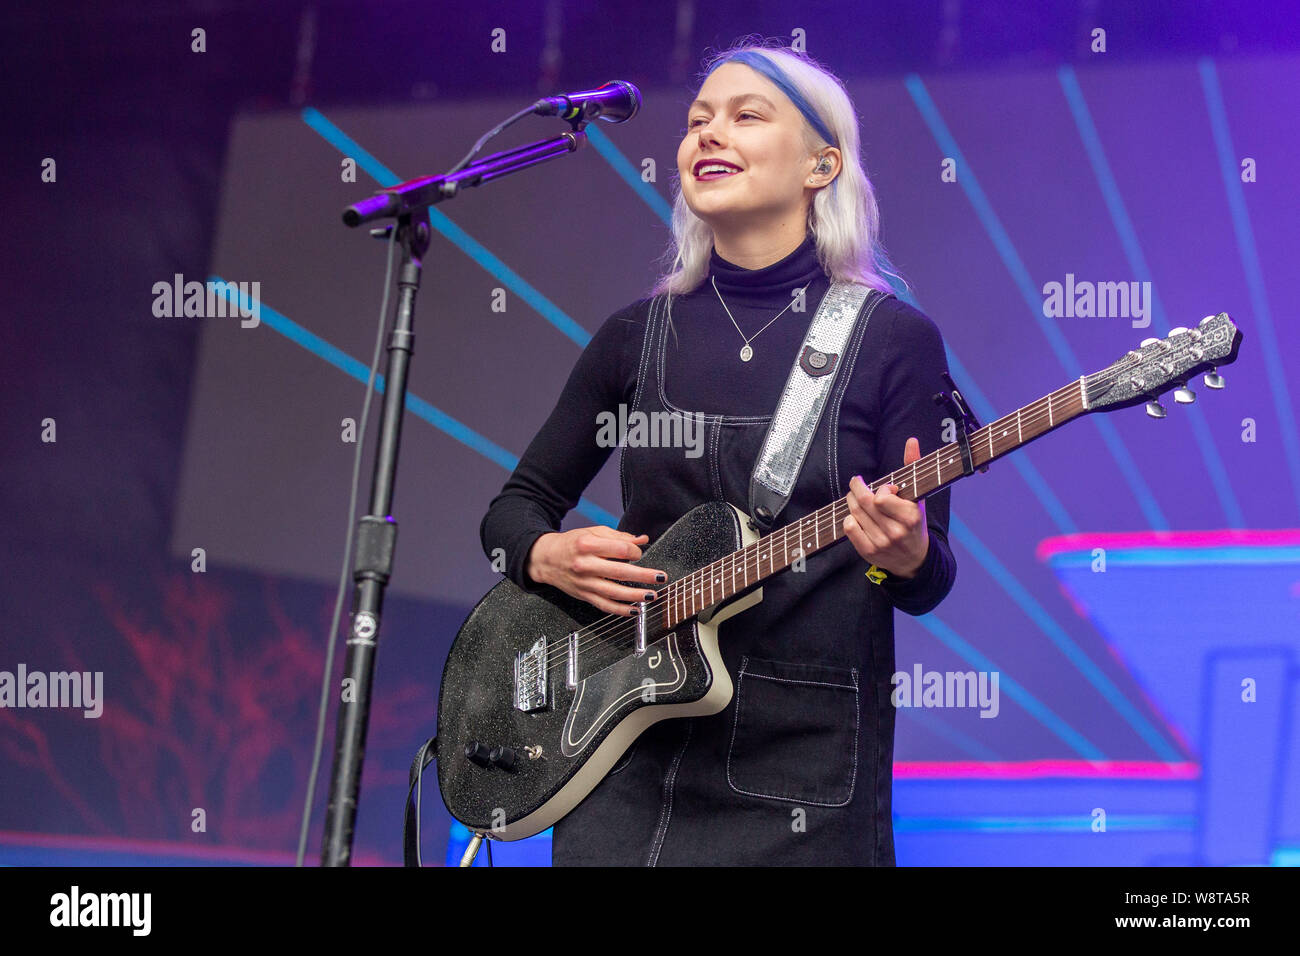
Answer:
(800, 409)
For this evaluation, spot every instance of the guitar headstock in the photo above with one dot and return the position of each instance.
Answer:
(1158, 365)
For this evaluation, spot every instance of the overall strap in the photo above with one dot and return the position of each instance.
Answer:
(800, 409)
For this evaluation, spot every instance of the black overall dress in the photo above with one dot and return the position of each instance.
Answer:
(797, 769)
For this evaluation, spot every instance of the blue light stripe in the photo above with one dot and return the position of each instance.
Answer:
(1056, 634)
(1020, 276)
(621, 165)
(349, 147)
(1180, 557)
(414, 404)
(450, 230)
(1137, 263)
(1263, 317)
(985, 411)
(1031, 704)
(1076, 824)
(1018, 460)
(937, 726)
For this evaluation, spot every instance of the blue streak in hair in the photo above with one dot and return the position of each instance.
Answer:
(762, 64)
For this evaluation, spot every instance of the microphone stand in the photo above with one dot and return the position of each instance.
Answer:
(377, 531)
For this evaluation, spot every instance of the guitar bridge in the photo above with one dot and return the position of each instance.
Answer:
(530, 678)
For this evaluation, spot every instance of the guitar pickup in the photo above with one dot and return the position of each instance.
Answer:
(571, 672)
(530, 678)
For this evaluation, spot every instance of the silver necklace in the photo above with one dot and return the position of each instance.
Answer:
(747, 352)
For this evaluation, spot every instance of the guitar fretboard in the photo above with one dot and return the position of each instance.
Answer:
(779, 549)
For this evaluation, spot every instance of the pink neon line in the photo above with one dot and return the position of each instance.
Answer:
(65, 841)
(1227, 537)
(1027, 769)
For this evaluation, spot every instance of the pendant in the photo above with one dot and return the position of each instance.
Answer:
(746, 353)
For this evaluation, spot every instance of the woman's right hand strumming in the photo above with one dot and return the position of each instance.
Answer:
(588, 563)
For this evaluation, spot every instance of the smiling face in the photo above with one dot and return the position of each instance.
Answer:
(742, 121)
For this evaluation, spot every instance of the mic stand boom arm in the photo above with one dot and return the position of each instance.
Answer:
(377, 531)
(417, 194)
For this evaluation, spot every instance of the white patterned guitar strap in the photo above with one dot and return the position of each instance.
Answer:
(800, 409)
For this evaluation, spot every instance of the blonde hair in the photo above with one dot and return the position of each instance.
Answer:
(843, 217)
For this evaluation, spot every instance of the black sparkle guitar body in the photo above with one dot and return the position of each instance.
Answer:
(532, 759)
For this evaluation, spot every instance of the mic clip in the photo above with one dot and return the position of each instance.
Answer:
(562, 106)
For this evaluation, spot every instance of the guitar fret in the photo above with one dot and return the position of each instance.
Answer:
(731, 574)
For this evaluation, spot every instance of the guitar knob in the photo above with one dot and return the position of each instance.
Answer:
(475, 752)
(1213, 379)
(504, 758)
(1156, 410)
(1184, 395)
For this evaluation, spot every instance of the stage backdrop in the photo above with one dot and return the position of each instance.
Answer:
(1133, 583)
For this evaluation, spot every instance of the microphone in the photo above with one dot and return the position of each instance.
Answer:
(615, 102)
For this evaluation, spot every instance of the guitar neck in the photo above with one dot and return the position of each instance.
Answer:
(779, 549)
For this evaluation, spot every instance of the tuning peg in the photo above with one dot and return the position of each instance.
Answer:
(1145, 342)
(1155, 409)
(1213, 379)
(1184, 395)
(1208, 318)
(1177, 330)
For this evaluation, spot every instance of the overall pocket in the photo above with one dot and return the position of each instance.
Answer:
(795, 735)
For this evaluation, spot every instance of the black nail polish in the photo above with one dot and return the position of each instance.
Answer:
(649, 596)
(660, 578)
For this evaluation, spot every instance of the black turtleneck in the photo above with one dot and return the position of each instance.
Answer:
(704, 371)
(755, 286)
(888, 399)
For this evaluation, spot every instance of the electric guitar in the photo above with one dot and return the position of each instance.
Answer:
(542, 693)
